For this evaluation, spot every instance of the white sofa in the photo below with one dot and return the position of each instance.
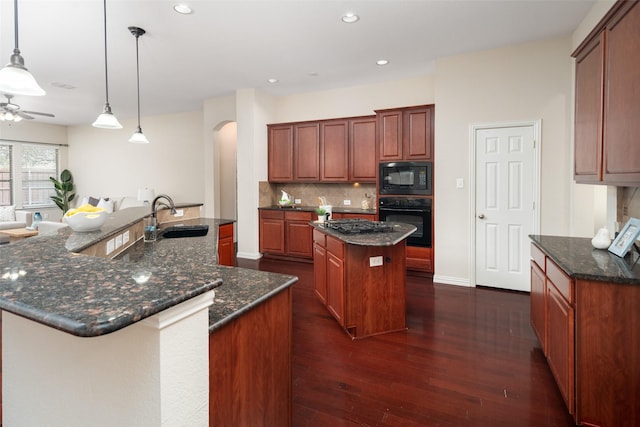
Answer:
(23, 219)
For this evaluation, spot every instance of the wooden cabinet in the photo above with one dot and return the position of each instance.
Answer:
(362, 150)
(607, 89)
(286, 233)
(339, 150)
(420, 259)
(226, 247)
(406, 133)
(280, 153)
(298, 234)
(272, 232)
(352, 215)
(552, 318)
(334, 151)
(306, 152)
(250, 367)
(320, 266)
(589, 334)
(365, 300)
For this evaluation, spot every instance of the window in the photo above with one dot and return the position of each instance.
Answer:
(38, 164)
(6, 194)
(29, 185)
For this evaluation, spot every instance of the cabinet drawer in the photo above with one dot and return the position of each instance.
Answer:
(335, 246)
(320, 238)
(298, 216)
(561, 281)
(538, 256)
(225, 230)
(269, 214)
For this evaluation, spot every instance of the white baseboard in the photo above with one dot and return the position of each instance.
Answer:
(249, 255)
(457, 281)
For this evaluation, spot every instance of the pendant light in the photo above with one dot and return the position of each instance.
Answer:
(138, 137)
(14, 77)
(106, 120)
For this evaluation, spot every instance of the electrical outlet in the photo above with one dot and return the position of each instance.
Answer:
(375, 261)
(111, 246)
(125, 237)
(179, 212)
(118, 241)
(346, 202)
(459, 183)
(45, 216)
(297, 201)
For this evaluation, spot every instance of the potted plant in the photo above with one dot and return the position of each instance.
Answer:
(64, 190)
(321, 214)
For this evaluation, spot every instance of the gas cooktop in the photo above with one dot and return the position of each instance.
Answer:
(358, 226)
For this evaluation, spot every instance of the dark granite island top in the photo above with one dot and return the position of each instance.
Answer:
(44, 280)
(580, 260)
(389, 238)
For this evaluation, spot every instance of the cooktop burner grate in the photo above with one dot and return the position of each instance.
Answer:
(358, 226)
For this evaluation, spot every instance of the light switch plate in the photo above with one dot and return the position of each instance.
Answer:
(179, 212)
(125, 237)
(118, 241)
(111, 244)
(375, 261)
(459, 183)
(346, 202)
(297, 201)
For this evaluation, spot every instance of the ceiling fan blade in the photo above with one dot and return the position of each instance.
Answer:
(39, 114)
(23, 115)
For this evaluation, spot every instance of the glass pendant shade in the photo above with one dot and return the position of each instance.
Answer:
(138, 137)
(107, 120)
(16, 79)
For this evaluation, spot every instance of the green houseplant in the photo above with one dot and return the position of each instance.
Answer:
(321, 214)
(64, 190)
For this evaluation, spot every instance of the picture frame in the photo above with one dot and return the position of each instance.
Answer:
(626, 238)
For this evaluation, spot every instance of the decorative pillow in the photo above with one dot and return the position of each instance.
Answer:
(106, 204)
(93, 201)
(8, 213)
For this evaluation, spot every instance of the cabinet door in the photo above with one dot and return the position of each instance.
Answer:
(622, 109)
(588, 112)
(280, 153)
(561, 344)
(362, 150)
(420, 259)
(306, 152)
(226, 248)
(299, 239)
(320, 272)
(538, 310)
(417, 131)
(390, 135)
(272, 235)
(335, 287)
(334, 151)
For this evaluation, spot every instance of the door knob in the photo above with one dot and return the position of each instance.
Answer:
(481, 216)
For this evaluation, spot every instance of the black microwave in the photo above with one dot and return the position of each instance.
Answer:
(406, 178)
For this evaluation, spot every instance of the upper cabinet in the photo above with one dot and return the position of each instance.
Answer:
(406, 133)
(607, 100)
(340, 150)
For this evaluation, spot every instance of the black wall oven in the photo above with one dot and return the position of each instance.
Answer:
(411, 178)
(414, 211)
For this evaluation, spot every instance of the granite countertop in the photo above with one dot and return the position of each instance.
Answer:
(336, 209)
(580, 260)
(44, 281)
(388, 238)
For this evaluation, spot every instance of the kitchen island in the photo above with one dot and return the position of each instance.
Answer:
(361, 276)
(78, 330)
(585, 311)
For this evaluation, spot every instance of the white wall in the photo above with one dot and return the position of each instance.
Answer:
(518, 83)
(105, 164)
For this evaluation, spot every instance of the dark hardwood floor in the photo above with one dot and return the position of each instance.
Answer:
(468, 358)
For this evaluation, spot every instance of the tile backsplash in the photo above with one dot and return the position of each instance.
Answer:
(628, 204)
(308, 194)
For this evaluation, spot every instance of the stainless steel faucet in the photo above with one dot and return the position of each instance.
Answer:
(154, 208)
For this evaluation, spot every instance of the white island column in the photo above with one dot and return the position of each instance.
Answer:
(152, 373)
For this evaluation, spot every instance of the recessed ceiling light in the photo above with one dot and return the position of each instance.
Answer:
(273, 81)
(182, 8)
(313, 74)
(382, 61)
(350, 18)
(63, 85)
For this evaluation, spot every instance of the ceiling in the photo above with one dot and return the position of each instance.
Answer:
(223, 46)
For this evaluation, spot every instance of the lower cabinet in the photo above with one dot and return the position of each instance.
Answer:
(365, 300)
(286, 233)
(226, 248)
(420, 259)
(351, 215)
(589, 334)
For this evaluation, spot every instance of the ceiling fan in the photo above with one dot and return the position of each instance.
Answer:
(12, 112)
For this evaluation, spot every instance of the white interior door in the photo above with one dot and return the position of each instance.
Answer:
(504, 205)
